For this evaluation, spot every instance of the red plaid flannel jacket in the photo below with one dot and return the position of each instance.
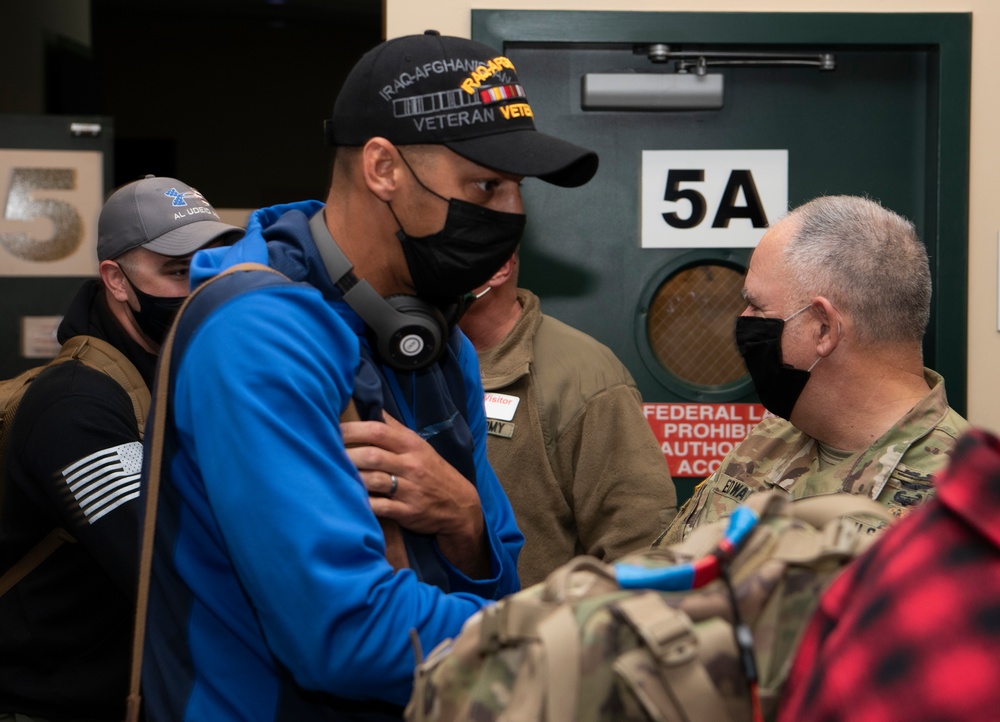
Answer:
(911, 630)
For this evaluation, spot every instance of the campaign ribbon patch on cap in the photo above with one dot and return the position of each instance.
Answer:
(501, 92)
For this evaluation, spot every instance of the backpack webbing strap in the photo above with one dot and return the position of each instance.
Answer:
(818, 510)
(560, 636)
(669, 638)
(838, 538)
(527, 695)
(832, 515)
(104, 357)
(553, 637)
(548, 691)
(509, 623)
(98, 355)
(566, 584)
(38, 554)
(152, 493)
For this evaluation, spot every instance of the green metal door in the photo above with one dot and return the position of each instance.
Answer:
(890, 120)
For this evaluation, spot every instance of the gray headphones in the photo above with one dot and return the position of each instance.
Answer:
(406, 332)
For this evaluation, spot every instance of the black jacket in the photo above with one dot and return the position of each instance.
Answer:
(74, 460)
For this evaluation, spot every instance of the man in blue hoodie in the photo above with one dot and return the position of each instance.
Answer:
(298, 554)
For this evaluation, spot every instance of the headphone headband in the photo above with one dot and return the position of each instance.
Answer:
(407, 333)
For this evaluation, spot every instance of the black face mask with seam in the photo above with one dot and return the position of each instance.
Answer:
(778, 385)
(474, 242)
(155, 313)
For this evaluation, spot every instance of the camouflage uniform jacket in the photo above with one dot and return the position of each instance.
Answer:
(896, 470)
(577, 458)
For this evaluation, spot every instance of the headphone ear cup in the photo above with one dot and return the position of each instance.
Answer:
(417, 336)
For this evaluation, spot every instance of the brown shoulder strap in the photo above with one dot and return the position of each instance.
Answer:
(104, 357)
(154, 447)
(12, 391)
(38, 554)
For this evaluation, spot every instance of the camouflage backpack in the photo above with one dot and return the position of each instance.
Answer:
(703, 631)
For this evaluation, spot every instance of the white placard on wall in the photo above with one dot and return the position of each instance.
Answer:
(38, 336)
(711, 198)
(50, 201)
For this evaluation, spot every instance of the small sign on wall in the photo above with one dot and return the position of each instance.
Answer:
(50, 201)
(711, 198)
(38, 336)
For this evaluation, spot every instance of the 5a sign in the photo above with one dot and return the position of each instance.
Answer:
(711, 198)
(50, 201)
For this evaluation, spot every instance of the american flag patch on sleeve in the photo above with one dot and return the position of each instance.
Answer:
(106, 479)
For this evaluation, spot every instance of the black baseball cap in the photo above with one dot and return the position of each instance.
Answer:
(442, 90)
(163, 215)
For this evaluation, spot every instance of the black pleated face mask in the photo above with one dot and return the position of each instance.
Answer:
(473, 244)
(155, 313)
(759, 342)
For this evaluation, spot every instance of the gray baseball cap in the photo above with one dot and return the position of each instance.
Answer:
(160, 214)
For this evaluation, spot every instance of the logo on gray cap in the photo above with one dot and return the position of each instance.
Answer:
(163, 215)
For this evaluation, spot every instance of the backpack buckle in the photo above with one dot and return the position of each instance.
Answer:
(667, 632)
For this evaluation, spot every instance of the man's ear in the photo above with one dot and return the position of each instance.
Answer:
(502, 276)
(831, 329)
(114, 280)
(380, 167)
(504, 273)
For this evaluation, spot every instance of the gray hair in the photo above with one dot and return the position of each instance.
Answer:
(868, 261)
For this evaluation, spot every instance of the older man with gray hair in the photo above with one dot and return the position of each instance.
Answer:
(838, 298)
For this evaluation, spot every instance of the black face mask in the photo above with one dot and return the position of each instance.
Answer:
(473, 244)
(155, 313)
(778, 385)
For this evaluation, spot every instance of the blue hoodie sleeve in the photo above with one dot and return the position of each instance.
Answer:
(258, 398)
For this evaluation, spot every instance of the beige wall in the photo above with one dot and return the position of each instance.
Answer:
(453, 17)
